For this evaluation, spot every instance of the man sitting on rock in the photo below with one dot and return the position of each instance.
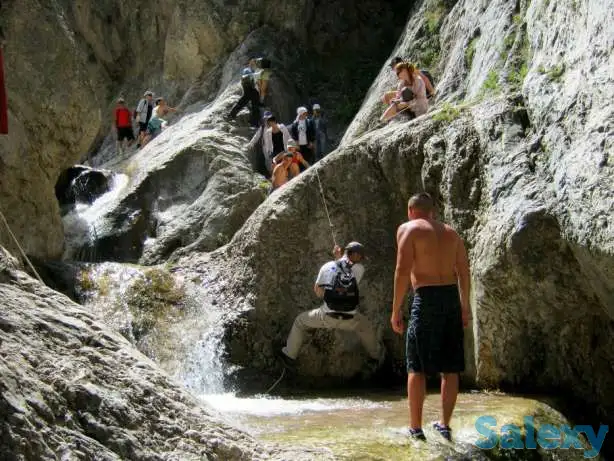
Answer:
(280, 172)
(337, 285)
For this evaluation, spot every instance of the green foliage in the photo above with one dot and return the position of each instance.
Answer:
(222, 239)
(470, 52)
(516, 77)
(448, 113)
(151, 299)
(517, 19)
(491, 84)
(555, 73)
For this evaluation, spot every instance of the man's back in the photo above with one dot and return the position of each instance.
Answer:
(434, 247)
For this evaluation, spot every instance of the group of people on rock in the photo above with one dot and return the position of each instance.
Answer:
(148, 115)
(288, 149)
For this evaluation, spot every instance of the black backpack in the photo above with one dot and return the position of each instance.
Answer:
(247, 81)
(428, 75)
(264, 63)
(343, 296)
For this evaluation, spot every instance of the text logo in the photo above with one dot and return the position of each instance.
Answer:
(547, 436)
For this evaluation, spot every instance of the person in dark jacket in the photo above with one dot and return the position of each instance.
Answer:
(250, 95)
(320, 126)
(303, 132)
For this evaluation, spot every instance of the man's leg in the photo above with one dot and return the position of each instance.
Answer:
(365, 331)
(241, 103)
(315, 318)
(255, 108)
(416, 390)
(449, 392)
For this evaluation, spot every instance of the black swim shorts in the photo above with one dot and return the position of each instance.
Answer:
(435, 332)
(125, 133)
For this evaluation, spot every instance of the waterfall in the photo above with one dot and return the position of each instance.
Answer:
(85, 221)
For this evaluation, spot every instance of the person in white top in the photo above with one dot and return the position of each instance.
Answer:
(410, 83)
(335, 312)
(274, 140)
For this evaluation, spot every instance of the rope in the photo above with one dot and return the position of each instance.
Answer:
(23, 253)
(399, 112)
(283, 373)
(326, 208)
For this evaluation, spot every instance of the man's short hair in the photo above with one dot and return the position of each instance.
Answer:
(422, 201)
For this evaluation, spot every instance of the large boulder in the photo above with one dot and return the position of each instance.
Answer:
(519, 165)
(73, 389)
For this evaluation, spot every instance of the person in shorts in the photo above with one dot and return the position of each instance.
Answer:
(123, 126)
(431, 259)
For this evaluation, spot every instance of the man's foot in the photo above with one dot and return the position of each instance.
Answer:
(417, 434)
(288, 362)
(444, 430)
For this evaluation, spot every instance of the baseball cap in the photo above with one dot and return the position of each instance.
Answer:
(316, 107)
(355, 247)
(291, 143)
(121, 101)
(267, 115)
(301, 110)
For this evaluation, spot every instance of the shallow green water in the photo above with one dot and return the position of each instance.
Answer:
(374, 427)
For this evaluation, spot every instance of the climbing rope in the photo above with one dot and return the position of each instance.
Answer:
(283, 373)
(23, 253)
(330, 223)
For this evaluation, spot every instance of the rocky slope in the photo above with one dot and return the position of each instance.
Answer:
(519, 161)
(60, 100)
(73, 389)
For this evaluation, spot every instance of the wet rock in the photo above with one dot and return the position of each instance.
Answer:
(515, 167)
(97, 401)
(81, 184)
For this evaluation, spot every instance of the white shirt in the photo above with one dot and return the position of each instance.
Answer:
(302, 133)
(328, 271)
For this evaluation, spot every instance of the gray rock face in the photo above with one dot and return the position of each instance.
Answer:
(519, 164)
(72, 389)
(60, 102)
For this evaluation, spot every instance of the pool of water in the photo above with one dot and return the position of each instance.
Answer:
(374, 426)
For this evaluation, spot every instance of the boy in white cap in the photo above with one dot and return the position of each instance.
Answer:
(304, 133)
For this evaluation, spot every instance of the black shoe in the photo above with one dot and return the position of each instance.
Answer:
(417, 434)
(287, 362)
(445, 431)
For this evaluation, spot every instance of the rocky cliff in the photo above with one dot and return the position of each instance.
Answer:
(60, 99)
(73, 389)
(517, 153)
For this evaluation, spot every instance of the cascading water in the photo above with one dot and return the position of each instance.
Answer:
(85, 221)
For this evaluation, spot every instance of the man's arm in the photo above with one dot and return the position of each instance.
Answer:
(303, 161)
(402, 275)
(464, 279)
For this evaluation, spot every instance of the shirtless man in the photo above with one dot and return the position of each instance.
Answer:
(432, 258)
(297, 158)
(280, 172)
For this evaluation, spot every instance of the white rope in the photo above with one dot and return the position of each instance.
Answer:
(326, 208)
(283, 372)
(23, 253)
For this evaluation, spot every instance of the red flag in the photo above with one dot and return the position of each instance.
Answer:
(4, 110)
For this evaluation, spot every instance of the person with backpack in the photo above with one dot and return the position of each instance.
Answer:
(337, 284)
(123, 126)
(142, 114)
(250, 95)
(411, 94)
(429, 82)
(262, 77)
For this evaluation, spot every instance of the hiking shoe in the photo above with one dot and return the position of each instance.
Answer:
(288, 362)
(417, 434)
(445, 431)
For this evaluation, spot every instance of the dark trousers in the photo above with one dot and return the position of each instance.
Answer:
(249, 95)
